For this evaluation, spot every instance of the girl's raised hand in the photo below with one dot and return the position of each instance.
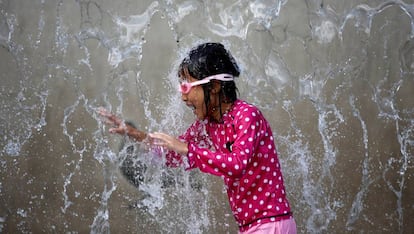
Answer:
(169, 142)
(118, 124)
(121, 127)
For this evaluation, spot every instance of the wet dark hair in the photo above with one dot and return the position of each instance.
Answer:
(209, 59)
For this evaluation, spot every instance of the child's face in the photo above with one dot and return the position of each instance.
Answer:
(195, 98)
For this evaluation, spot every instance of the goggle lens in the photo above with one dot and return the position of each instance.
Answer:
(185, 87)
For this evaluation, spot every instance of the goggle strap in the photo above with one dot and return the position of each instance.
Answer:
(199, 82)
(222, 77)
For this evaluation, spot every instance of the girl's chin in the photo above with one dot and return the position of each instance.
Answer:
(199, 116)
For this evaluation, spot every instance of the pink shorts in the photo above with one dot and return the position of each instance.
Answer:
(286, 226)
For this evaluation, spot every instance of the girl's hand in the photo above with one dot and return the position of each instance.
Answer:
(118, 124)
(169, 142)
(121, 127)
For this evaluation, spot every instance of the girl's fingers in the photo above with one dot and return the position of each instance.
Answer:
(153, 135)
(117, 130)
(118, 124)
(158, 139)
(103, 112)
(170, 142)
(110, 118)
(159, 143)
(115, 119)
(159, 136)
(109, 122)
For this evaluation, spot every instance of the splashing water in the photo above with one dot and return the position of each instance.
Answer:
(334, 79)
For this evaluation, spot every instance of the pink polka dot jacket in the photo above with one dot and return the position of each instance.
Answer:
(241, 150)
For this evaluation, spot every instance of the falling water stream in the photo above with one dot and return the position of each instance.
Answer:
(334, 78)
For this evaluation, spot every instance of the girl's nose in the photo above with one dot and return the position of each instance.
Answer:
(184, 97)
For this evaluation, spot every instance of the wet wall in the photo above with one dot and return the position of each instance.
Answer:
(335, 79)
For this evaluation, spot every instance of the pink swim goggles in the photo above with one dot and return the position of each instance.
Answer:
(185, 87)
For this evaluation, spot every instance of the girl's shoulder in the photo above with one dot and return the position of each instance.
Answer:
(242, 108)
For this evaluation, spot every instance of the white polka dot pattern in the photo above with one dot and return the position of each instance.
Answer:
(251, 170)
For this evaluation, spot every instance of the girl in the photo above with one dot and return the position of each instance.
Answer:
(230, 139)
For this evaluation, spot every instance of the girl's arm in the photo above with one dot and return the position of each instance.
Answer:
(176, 146)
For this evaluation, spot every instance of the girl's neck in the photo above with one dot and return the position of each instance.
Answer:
(216, 113)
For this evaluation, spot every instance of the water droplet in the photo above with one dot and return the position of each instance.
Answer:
(325, 32)
(12, 148)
